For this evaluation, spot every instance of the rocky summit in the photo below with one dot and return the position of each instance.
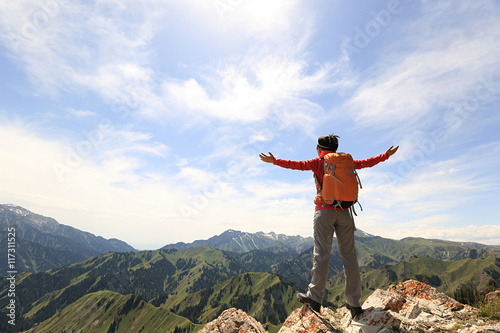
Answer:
(233, 321)
(410, 306)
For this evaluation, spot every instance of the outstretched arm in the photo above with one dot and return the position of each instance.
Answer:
(313, 164)
(266, 158)
(372, 161)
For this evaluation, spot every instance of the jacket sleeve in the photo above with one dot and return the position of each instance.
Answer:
(372, 161)
(298, 165)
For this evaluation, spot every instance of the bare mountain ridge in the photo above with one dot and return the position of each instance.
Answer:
(242, 242)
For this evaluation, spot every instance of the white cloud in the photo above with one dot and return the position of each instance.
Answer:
(80, 113)
(276, 190)
(431, 186)
(440, 59)
(98, 47)
(95, 197)
(486, 234)
(283, 22)
(65, 46)
(117, 197)
(243, 206)
(432, 199)
(248, 89)
(123, 141)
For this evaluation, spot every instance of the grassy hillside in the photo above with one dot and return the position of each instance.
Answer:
(446, 276)
(375, 252)
(261, 295)
(106, 311)
(146, 273)
(199, 283)
(33, 257)
(264, 260)
(264, 296)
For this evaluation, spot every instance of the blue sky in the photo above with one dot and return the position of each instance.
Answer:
(143, 120)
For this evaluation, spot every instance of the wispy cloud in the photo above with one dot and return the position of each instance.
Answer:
(432, 66)
(248, 89)
(427, 201)
(112, 190)
(485, 234)
(80, 113)
(435, 184)
(63, 48)
(62, 45)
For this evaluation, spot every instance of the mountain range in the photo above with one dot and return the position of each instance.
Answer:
(43, 243)
(242, 242)
(291, 257)
(181, 287)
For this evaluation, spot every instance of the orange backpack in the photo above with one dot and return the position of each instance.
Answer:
(340, 181)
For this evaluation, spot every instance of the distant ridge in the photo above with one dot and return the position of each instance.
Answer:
(43, 243)
(242, 242)
(291, 257)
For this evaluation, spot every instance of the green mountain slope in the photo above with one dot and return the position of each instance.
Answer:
(198, 283)
(264, 296)
(264, 260)
(106, 311)
(33, 257)
(147, 273)
(276, 256)
(446, 276)
(375, 252)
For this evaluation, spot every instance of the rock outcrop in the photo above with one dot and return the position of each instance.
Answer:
(410, 306)
(493, 296)
(233, 321)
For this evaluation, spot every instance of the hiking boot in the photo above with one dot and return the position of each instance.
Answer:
(355, 310)
(306, 300)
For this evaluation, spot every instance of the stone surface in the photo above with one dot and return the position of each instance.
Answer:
(233, 321)
(428, 297)
(410, 306)
(493, 296)
(304, 320)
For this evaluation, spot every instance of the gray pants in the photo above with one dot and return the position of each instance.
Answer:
(340, 222)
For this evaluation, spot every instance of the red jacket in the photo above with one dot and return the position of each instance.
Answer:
(316, 165)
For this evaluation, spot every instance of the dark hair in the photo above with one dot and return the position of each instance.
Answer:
(329, 142)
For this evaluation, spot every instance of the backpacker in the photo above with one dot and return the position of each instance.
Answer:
(340, 181)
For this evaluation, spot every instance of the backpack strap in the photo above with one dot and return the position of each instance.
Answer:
(352, 210)
(357, 176)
